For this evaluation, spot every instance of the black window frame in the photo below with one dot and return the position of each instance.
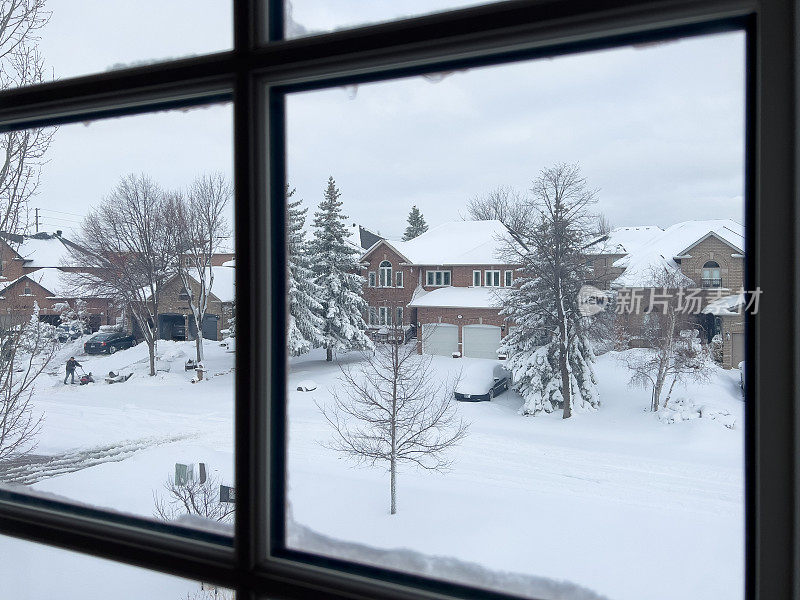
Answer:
(256, 76)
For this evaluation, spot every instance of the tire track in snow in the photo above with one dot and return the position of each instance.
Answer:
(34, 468)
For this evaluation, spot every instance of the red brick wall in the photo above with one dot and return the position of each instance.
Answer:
(461, 276)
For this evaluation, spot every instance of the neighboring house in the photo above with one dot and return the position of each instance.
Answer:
(705, 256)
(362, 238)
(33, 269)
(175, 315)
(446, 285)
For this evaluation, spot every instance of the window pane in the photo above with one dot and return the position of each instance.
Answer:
(598, 487)
(66, 39)
(120, 399)
(310, 17)
(32, 572)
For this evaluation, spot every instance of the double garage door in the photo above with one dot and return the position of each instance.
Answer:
(480, 341)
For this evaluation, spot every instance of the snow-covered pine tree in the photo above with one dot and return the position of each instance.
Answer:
(550, 353)
(305, 322)
(336, 270)
(416, 224)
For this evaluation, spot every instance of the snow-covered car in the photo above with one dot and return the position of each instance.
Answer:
(483, 380)
(108, 342)
(73, 331)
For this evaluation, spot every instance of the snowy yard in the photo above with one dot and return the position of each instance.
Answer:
(615, 501)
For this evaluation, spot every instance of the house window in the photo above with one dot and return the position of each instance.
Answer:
(476, 278)
(712, 277)
(184, 295)
(26, 291)
(492, 279)
(509, 278)
(384, 315)
(385, 279)
(399, 278)
(373, 315)
(372, 279)
(437, 278)
(399, 319)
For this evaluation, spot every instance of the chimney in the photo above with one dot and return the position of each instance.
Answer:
(58, 232)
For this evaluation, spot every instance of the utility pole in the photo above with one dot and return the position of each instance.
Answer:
(37, 220)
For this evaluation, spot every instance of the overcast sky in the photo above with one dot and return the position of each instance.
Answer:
(658, 130)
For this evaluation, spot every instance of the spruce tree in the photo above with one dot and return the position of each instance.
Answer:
(336, 269)
(416, 224)
(305, 322)
(550, 354)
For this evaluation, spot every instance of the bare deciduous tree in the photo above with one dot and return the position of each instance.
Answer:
(200, 225)
(21, 152)
(391, 409)
(193, 498)
(26, 349)
(673, 350)
(504, 204)
(126, 247)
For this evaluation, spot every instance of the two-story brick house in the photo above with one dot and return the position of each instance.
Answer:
(707, 257)
(446, 284)
(34, 270)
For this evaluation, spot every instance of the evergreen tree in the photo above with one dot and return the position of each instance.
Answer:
(550, 353)
(305, 322)
(336, 269)
(416, 224)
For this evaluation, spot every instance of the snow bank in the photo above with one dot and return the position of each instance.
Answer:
(436, 567)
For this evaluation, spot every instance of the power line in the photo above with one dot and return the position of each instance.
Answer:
(62, 212)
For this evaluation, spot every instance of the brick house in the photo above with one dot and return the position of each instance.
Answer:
(175, 316)
(707, 255)
(445, 286)
(33, 270)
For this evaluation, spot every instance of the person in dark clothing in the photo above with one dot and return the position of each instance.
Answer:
(71, 364)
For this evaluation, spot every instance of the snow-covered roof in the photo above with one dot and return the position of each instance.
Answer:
(461, 297)
(61, 284)
(455, 243)
(664, 247)
(224, 286)
(727, 305)
(623, 240)
(43, 250)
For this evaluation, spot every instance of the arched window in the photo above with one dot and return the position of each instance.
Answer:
(385, 277)
(712, 276)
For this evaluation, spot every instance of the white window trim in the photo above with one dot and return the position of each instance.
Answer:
(478, 273)
(398, 312)
(384, 315)
(399, 279)
(508, 278)
(385, 275)
(433, 272)
(486, 278)
(372, 279)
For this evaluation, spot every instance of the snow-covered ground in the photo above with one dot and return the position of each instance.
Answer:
(616, 501)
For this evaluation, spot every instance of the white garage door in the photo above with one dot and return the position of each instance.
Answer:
(481, 341)
(440, 339)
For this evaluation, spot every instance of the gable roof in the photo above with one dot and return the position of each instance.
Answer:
(663, 248)
(60, 284)
(41, 250)
(453, 243)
